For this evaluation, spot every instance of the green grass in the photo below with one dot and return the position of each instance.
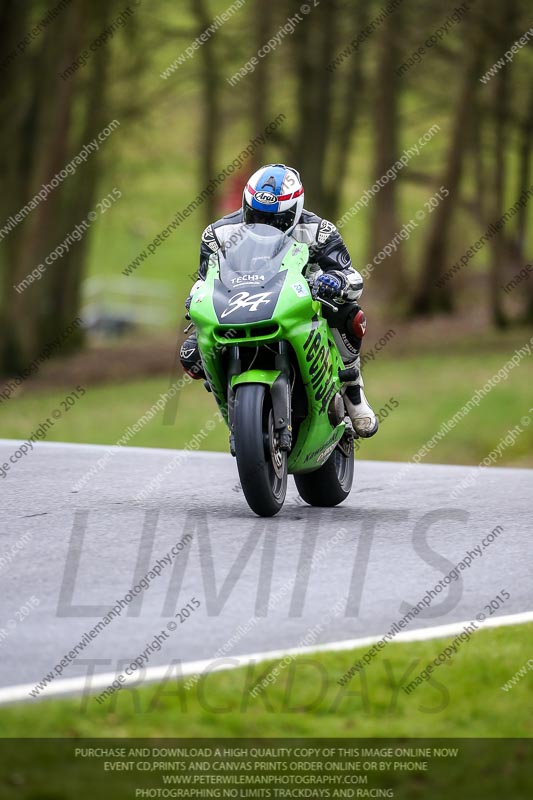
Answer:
(463, 698)
(429, 389)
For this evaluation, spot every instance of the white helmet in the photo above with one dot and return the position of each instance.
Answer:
(274, 195)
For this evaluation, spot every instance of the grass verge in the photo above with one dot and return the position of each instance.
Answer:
(462, 698)
(414, 394)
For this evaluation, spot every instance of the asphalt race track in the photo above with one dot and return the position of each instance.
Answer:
(342, 573)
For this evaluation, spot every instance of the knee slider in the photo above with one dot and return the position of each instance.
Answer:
(358, 324)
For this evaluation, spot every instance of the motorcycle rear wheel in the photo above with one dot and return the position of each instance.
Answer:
(261, 464)
(331, 483)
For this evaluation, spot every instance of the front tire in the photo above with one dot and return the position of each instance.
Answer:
(331, 483)
(261, 464)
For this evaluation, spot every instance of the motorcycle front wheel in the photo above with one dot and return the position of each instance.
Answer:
(261, 464)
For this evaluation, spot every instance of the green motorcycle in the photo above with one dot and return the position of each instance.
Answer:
(274, 369)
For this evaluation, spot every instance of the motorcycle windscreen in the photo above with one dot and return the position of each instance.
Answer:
(252, 255)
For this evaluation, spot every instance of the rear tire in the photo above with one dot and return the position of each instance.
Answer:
(331, 483)
(262, 466)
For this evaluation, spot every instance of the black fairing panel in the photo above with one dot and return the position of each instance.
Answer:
(245, 304)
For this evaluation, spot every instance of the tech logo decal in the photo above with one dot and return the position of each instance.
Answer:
(248, 279)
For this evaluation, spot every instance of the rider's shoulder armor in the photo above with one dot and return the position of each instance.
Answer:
(214, 236)
(315, 231)
(223, 226)
(327, 249)
(210, 240)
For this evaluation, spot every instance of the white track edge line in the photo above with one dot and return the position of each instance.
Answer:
(64, 686)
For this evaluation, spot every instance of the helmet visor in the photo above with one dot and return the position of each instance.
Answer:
(282, 220)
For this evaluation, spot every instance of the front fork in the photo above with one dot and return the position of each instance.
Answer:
(234, 369)
(280, 392)
(281, 398)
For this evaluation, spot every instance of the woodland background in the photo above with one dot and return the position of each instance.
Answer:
(350, 112)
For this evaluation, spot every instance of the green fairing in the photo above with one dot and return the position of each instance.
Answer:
(266, 376)
(300, 323)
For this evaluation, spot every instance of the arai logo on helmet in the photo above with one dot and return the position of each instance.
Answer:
(266, 198)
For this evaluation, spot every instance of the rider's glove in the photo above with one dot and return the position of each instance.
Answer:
(330, 285)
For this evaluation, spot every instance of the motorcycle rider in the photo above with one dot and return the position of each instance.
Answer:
(274, 195)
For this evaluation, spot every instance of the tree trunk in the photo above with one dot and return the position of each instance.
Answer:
(503, 243)
(498, 250)
(351, 97)
(428, 296)
(80, 192)
(313, 43)
(524, 181)
(211, 117)
(40, 141)
(384, 223)
(260, 81)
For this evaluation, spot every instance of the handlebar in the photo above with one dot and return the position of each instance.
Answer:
(323, 300)
(316, 296)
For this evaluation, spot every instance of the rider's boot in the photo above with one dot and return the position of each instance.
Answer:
(361, 414)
